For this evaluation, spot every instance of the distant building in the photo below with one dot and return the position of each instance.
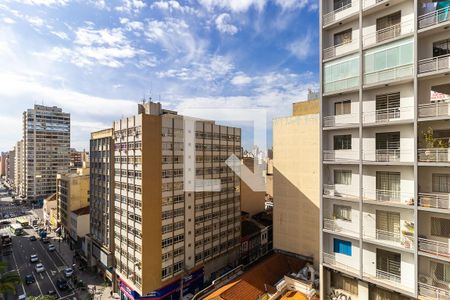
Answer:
(49, 212)
(79, 228)
(78, 159)
(10, 167)
(296, 181)
(19, 168)
(252, 201)
(255, 240)
(46, 137)
(3, 164)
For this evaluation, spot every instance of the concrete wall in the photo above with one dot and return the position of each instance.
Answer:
(251, 201)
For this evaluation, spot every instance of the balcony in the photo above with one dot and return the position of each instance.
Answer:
(382, 155)
(334, 226)
(434, 200)
(433, 18)
(399, 239)
(434, 247)
(434, 110)
(388, 197)
(388, 33)
(383, 275)
(434, 64)
(350, 83)
(432, 291)
(434, 155)
(391, 74)
(344, 156)
(382, 116)
(340, 120)
(340, 191)
(340, 49)
(340, 13)
(330, 259)
(369, 3)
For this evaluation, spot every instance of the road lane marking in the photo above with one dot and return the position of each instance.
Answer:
(15, 262)
(37, 282)
(56, 290)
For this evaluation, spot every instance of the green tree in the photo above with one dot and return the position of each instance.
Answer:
(42, 297)
(8, 280)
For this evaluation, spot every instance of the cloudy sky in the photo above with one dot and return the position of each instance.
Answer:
(98, 59)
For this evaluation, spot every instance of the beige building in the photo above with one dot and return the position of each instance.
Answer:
(19, 168)
(49, 209)
(72, 193)
(252, 201)
(165, 233)
(296, 181)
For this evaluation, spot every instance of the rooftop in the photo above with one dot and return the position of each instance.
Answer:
(81, 211)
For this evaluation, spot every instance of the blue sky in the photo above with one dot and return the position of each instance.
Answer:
(98, 59)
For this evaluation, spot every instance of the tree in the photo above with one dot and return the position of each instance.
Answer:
(42, 297)
(8, 280)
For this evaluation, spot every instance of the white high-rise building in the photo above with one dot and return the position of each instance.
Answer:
(385, 107)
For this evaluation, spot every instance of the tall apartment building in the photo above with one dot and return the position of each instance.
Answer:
(3, 164)
(101, 200)
(296, 181)
(46, 136)
(10, 167)
(168, 238)
(19, 168)
(385, 148)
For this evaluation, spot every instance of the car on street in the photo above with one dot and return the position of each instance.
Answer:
(22, 297)
(39, 268)
(51, 248)
(32, 238)
(51, 293)
(45, 240)
(61, 284)
(6, 222)
(29, 279)
(68, 272)
(6, 216)
(34, 258)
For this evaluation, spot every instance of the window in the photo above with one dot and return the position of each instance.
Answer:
(440, 271)
(341, 74)
(342, 142)
(441, 183)
(339, 4)
(388, 225)
(342, 282)
(342, 212)
(342, 107)
(441, 48)
(440, 227)
(385, 26)
(388, 186)
(342, 247)
(387, 140)
(343, 37)
(387, 101)
(343, 177)
(389, 262)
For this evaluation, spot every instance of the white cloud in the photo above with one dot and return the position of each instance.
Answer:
(8, 20)
(61, 34)
(223, 25)
(35, 21)
(233, 5)
(131, 6)
(88, 36)
(132, 25)
(44, 2)
(295, 4)
(302, 47)
(172, 5)
(241, 79)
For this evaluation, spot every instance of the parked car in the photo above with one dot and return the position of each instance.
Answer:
(32, 238)
(39, 268)
(22, 297)
(61, 283)
(45, 240)
(29, 279)
(68, 272)
(34, 258)
(51, 248)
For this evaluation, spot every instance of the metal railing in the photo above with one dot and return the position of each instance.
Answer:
(437, 109)
(434, 247)
(434, 64)
(436, 155)
(389, 74)
(340, 155)
(404, 241)
(330, 190)
(368, 3)
(388, 115)
(433, 292)
(388, 33)
(434, 17)
(388, 196)
(331, 52)
(434, 200)
(330, 17)
(330, 259)
(384, 155)
(331, 225)
(340, 120)
(383, 275)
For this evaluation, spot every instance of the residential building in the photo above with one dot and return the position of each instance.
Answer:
(49, 212)
(101, 200)
(296, 181)
(46, 137)
(3, 164)
(77, 159)
(79, 228)
(255, 240)
(251, 201)
(72, 193)
(19, 168)
(385, 111)
(187, 235)
(10, 167)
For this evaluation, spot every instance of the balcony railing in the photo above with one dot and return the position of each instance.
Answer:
(335, 15)
(437, 155)
(383, 275)
(388, 33)
(341, 192)
(390, 196)
(434, 200)
(382, 155)
(433, 18)
(434, 247)
(397, 238)
(395, 73)
(331, 225)
(340, 120)
(339, 49)
(330, 259)
(369, 3)
(388, 115)
(434, 64)
(341, 84)
(340, 155)
(433, 292)
(437, 109)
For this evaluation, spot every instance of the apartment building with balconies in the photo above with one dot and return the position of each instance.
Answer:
(385, 113)
(176, 203)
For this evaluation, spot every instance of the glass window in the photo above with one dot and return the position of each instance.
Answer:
(342, 247)
(342, 142)
(339, 4)
(342, 107)
(440, 227)
(441, 183)
(389, 56)
(342, 212)
(441, 48)
(339, 281)
(343, 177)
(343, 37)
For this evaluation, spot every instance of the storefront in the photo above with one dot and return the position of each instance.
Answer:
(192, 284)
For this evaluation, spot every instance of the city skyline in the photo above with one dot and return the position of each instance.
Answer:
(97, 60)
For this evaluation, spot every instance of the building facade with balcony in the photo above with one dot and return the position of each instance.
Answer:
(385, 142)
(176, 203)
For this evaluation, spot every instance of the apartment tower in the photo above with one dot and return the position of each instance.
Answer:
(385, 148)
(46, 137)
(18, 168)
(168, 236)
(101, 200)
